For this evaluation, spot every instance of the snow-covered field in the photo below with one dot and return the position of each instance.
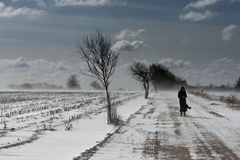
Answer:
(225, 94)
(152, 129)
(36, 122)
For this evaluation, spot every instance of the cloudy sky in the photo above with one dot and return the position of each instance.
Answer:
(198, 40)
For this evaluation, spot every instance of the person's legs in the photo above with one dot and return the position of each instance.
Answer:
(185, 114)
(181, 113)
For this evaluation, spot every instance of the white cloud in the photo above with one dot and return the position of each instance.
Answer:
(201, 4)
(129, 34)
(62, 3)
(17, 63)
(193, 16)
(81, 2)
(129, 40)
(41, 3)
(228, 32)
(220, 71)
(174, 64)
(222, 61)
(8, 11)
(20, 62)
(125, 45)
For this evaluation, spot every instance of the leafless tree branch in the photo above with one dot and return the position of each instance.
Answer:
(95, 50)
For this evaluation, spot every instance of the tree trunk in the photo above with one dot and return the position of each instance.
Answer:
(156, 87)
(109, 107)
(146, 94)
(146, 88)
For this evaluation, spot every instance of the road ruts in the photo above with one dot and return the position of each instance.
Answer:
(157, 131)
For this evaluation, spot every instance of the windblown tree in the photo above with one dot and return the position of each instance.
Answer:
(95, 50)
(140, 72)
(156, 75)
(72, 82)
(95, 85)
(160, 76)
(237, 86)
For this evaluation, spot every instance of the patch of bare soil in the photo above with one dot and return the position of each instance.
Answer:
(216, 114)
(214, 104)
(3, 133)
(174, 115)
(139, 112)
(209, 146)
(177, 130)
(151, 111)
(203, 150)
(173, 111)
(213, 148)
(152, 148)
(220, 148)
(177, 152)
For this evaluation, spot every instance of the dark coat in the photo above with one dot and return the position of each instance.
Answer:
(182, 95)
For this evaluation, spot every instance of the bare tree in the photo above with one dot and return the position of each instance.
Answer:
(101, 60)
(72, 82)
(95, 85)
(140, 72)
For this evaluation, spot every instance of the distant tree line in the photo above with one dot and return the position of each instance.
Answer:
(237, 85)
(213, 87)
(223, 87)
(31, 86)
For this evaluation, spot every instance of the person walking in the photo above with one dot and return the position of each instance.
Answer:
(182, 95)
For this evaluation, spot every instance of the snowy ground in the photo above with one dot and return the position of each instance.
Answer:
(219, 94)
(30, 112)
(152, 129)
(156, 131)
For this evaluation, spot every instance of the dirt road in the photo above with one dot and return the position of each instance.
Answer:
(209, 131)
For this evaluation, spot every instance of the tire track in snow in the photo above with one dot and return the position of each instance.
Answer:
(146, 136)
(218, 127)
(208, 137)
(157, 131)
(215, 119)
